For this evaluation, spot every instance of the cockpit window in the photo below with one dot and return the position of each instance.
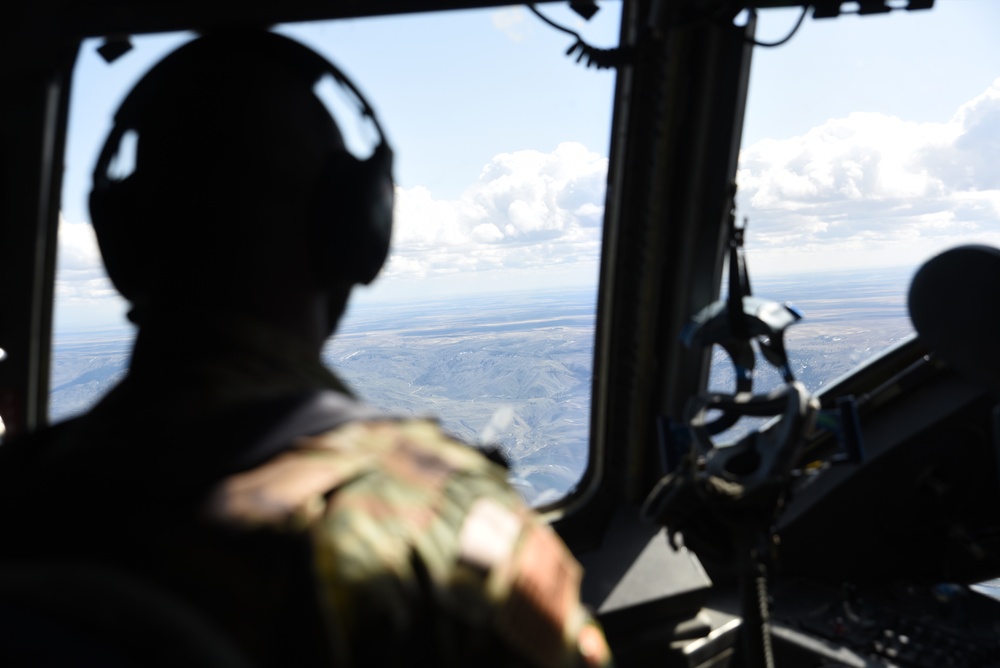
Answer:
(869, 145)
(484, 314)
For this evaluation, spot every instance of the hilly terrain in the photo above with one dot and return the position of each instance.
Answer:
(516, 370)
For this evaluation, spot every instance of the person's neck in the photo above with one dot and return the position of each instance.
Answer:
(303, 322)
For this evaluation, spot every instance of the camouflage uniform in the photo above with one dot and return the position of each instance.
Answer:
(419, 551)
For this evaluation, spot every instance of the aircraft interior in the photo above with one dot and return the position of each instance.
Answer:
(847, 530)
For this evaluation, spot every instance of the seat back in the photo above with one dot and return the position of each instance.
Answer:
(954, 303)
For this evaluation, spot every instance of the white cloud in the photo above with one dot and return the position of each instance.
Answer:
(872, 189)
(486, 233)
(80, 274)
(77, 246)
(864, 190)
(509, 21)
(527, 209)
(84, 296)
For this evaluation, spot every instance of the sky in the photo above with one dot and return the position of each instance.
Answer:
(872, 141)
(868, 142)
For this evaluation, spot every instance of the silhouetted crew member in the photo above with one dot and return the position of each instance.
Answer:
(230, 465)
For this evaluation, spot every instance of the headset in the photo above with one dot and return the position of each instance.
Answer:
(351, 215)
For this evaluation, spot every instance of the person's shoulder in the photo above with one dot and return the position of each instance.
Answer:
(402, 519)
(414, 459)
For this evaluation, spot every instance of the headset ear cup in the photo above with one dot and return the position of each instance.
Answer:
(379, 197)
(114, 213)
(353, 217)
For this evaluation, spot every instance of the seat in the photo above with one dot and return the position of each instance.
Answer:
(953, 303)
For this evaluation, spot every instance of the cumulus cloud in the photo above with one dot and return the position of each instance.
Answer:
(509, 21)
(875, 189)
(77, 247)
(79, 271)
(527, 209)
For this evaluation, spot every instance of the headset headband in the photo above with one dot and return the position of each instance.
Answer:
(299, 57)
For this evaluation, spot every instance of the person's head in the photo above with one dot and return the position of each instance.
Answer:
(242, 190)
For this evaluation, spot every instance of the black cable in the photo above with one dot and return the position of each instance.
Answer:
(602, 59)
(795, 29)
(552, 23)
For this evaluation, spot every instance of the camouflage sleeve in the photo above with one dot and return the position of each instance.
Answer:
(423, 553)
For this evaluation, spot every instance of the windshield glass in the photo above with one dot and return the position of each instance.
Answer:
(484, 314)
(869, 145)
